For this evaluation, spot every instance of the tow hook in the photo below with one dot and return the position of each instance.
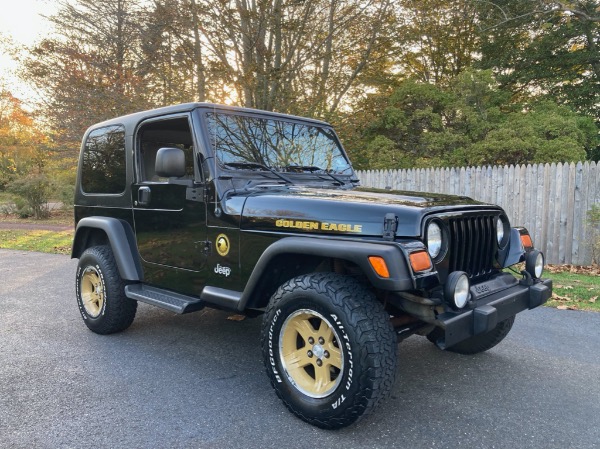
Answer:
(527, 279)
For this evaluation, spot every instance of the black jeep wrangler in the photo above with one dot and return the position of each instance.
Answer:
(200, 205)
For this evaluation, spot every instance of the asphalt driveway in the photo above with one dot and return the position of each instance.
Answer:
(197, 381)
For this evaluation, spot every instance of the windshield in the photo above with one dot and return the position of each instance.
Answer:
(283, 146)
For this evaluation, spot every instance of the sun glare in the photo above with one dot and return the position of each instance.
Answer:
(23, 23)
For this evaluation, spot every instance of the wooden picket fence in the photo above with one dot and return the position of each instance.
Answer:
(550, 200)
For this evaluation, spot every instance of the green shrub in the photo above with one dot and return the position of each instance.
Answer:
(65, 194)
(21, 208)
(34, 192)
(7, 209)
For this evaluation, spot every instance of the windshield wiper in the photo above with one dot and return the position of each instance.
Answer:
(335, 178)
(312, 169)
(302, 168)
(256, 165)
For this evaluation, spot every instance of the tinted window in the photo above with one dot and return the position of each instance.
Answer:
(275, 143)
(103, 169)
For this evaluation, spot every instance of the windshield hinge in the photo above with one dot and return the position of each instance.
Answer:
(390, 224)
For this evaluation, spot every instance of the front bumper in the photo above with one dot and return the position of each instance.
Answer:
(487, 311)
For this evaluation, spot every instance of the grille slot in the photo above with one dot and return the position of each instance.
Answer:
(472, 244)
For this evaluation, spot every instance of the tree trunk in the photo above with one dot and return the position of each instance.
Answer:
(198, 61)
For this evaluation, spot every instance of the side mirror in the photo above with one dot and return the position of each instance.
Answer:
(170, 163)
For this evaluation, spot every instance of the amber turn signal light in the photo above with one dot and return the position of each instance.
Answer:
(379, 265)
(420, 261)
(526, 241)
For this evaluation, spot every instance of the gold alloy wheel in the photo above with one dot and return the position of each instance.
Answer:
(92, 292)
(310, 353)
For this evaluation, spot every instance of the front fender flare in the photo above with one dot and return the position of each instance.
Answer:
(357, 252)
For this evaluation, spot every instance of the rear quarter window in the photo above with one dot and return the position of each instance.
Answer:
(103, 165)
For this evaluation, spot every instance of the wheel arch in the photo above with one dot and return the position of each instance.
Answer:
(118, 234)
(295, 256)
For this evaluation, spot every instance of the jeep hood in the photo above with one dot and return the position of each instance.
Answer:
(359, 211)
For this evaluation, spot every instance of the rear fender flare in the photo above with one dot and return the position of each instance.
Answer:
(121, 239)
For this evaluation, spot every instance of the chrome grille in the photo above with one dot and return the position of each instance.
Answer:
(472, 244)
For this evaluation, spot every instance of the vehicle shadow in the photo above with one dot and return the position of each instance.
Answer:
(206, 346)
(199, 373)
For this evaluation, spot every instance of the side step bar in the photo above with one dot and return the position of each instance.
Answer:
(221, 298)
(178, 303)
(164, 299)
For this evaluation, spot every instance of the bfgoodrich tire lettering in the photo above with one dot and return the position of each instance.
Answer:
(329, 349)
(101, 292)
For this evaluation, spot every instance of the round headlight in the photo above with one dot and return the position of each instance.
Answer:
(534, 263)
(457, 289)
(434, 239)
(461, 294)
(499, 230)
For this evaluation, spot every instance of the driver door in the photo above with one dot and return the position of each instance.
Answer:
(169, 213)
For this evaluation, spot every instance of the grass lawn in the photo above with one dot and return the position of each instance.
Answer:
(42, 240)
(57, 242)
(575, 291)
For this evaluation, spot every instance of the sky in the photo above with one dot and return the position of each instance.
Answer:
(23, 22)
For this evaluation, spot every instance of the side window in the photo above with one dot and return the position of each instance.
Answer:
(103, 167)
(174, 133)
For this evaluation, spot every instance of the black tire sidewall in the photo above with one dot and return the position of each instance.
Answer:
(346, 394)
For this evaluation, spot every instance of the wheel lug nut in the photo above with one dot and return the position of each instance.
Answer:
(321, 341)
(309, 353)
(326, 354)
(311, 340)
(319, 362)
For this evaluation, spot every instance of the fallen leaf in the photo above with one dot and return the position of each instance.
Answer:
(593, 299)
(588, 270)
(236, 317)
(567, 308)
(557, 297)
(568, 287)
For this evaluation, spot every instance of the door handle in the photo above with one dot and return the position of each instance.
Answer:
(144, 196)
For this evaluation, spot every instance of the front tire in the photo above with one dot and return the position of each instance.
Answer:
(101, 292)
(329, 349)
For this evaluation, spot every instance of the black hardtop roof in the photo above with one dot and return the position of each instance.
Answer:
(131, 120)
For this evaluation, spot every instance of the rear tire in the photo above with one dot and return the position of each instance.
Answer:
(101, 292)
(329, 349)
(478, 343)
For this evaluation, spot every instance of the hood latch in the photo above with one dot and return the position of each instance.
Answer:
(390, 225)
